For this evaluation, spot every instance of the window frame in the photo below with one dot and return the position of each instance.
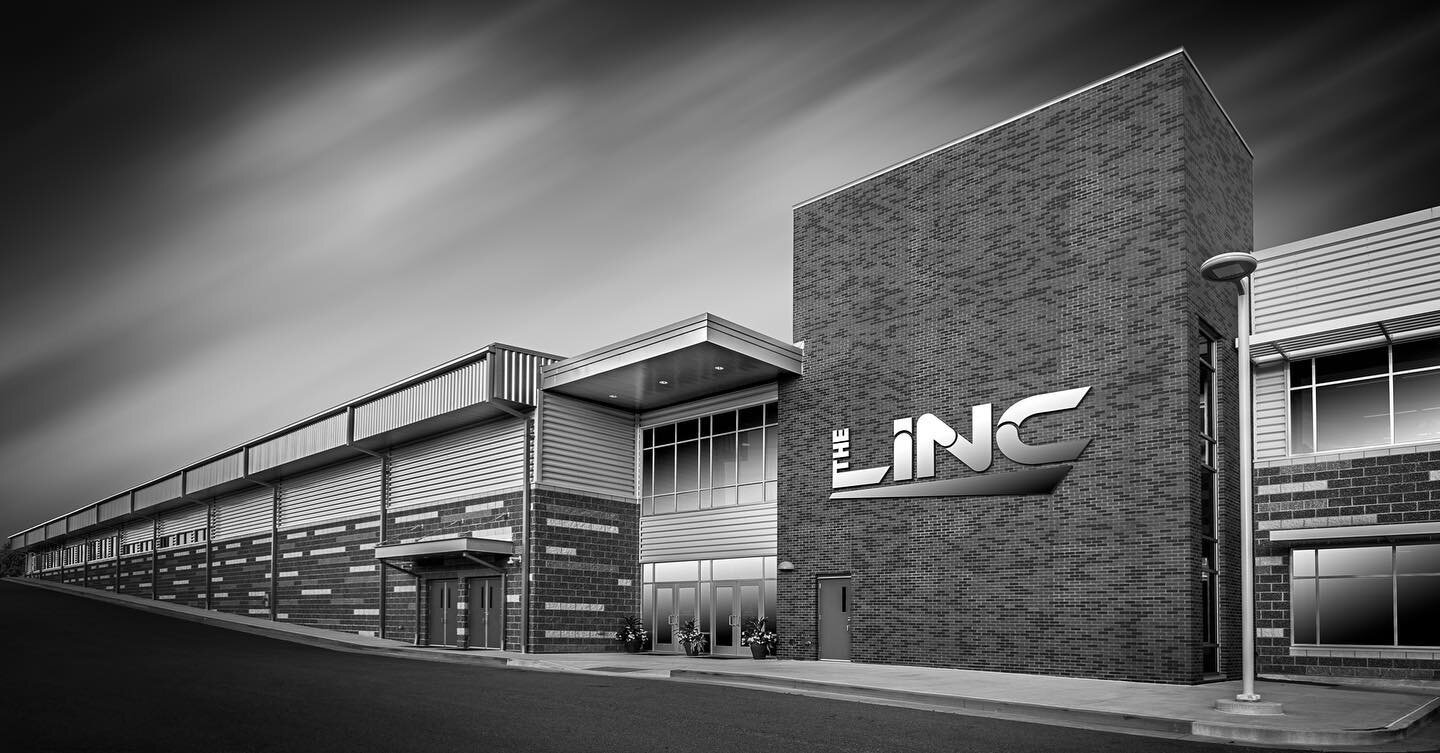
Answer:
(1310, 392)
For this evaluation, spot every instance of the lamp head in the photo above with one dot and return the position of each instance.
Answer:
(1232, 266)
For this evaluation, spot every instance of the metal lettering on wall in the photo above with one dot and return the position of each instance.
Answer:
(916, 440)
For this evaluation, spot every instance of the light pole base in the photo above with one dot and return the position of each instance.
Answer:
(1256, 707)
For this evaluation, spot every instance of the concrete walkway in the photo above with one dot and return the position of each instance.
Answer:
(1315, 714)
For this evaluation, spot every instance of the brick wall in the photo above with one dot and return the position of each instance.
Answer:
(1396, 488)
(180, 575)
(135, 575)
(586, 570)
(240, 576)
(1054, 252)
(328, 576)
(102, 575)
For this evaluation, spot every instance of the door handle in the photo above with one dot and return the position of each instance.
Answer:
(672, 619)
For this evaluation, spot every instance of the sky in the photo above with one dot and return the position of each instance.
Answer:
(218, 218)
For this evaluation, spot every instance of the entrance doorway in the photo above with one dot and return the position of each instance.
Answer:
(674, 604)
(834, 599)
(443, 611)
(735, 603)
(486, 601)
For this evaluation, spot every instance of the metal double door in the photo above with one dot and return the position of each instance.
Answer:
(721, 614)
(485, 607)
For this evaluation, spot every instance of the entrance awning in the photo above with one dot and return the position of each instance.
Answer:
(441, 547)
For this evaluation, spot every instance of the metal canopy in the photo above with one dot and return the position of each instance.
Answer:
(452, 545)
(700, 356)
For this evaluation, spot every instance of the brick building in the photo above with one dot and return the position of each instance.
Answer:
(1006, 440)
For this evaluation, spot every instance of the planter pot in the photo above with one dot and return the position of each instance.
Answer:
(692, 649)
(759, 650)
(633, 647)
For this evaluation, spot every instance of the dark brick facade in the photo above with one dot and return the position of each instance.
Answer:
(240, 576)
(1380, 489)
(1057, 251)
(327, 576)
(135, 575)
(586, 570)
(180, 575)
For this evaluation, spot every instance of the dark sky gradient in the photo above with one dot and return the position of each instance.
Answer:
(217, 219)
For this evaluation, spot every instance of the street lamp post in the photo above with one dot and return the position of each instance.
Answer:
(1236, 267)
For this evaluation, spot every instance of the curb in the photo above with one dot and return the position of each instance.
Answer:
(1396, 730)
(984, 706)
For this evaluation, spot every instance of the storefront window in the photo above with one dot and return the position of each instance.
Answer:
(720, 460)
(1365, 398)
(1367, 596)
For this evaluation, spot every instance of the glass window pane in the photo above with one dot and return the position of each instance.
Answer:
(673, 571)
(687, 466)
(723, 422)
(772, 449)
(1207, 502)
(1369, 560)
(647, 506)
(772, 413)
(1300, 373)
(750, 454)
(647, 474)
(1356, 414)
(1356, 611)
(1302, 562)
(687, 502)
(724, 496)
(751, 494)
(648, 438)
(1418, 610)
(1302, 426)
(649, 573)
(1351, 365)
(1417, 354)
(1418, 558)
(752, 417)
(1417, 407)
(772, 491)
(723, 460)
(664, 503)
(705, 570)
(687, 430)
(736, 569)
(665, 434)
(1302, 609)
(704, 499)
(704, 464)
(665, 469)
(705, 426)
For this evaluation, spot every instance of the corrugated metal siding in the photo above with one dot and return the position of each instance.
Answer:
(467, 463)
(745, 531)
(81, 518)
(113, 507)
(181, 519)
(160, 491)
(55, 529)
(764, 393)
(303, 442)
(17, 541)
(586, 446)
(34, 537)
(1269, 412)
(244, 514)
(452, 390)
(137, 531)
(215, 472)
(518, 375)
(340, 492)
(1298, 285)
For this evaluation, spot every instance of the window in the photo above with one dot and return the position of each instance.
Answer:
(1209, 565)
(183, 539)
(1364, 398)
(139, 547)
(1366, 596)
(720, 460)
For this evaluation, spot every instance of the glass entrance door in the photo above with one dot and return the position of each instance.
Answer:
(735, 603)
(674, 604)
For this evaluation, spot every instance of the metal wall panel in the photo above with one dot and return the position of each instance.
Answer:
(81, 518)
(517, 375)
(1356, 272)
(325, 434)
(215, 472)
(34, 536)
(764, 393)
(340, 492)
(182, 519)
(586, 446)
(244, 514)
(467, 463)
(1269, 412)
(137, 531)
(54, 529)
(164, 490)
(461, 387)
(111, 508)
(17, 541)
(744, 531)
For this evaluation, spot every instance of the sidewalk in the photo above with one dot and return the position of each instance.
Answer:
(1315, 714)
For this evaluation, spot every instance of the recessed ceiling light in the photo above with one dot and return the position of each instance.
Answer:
(662, 381)
(719, 368)
(614, 396)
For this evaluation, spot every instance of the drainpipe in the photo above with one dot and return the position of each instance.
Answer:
(274, 532)
(526, 549)
(384, 459)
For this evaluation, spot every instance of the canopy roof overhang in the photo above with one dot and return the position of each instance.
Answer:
(449, 545)
(691, 359)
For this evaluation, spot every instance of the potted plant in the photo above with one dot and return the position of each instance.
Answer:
(632, 634)
(758, 637)
(694, 641)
